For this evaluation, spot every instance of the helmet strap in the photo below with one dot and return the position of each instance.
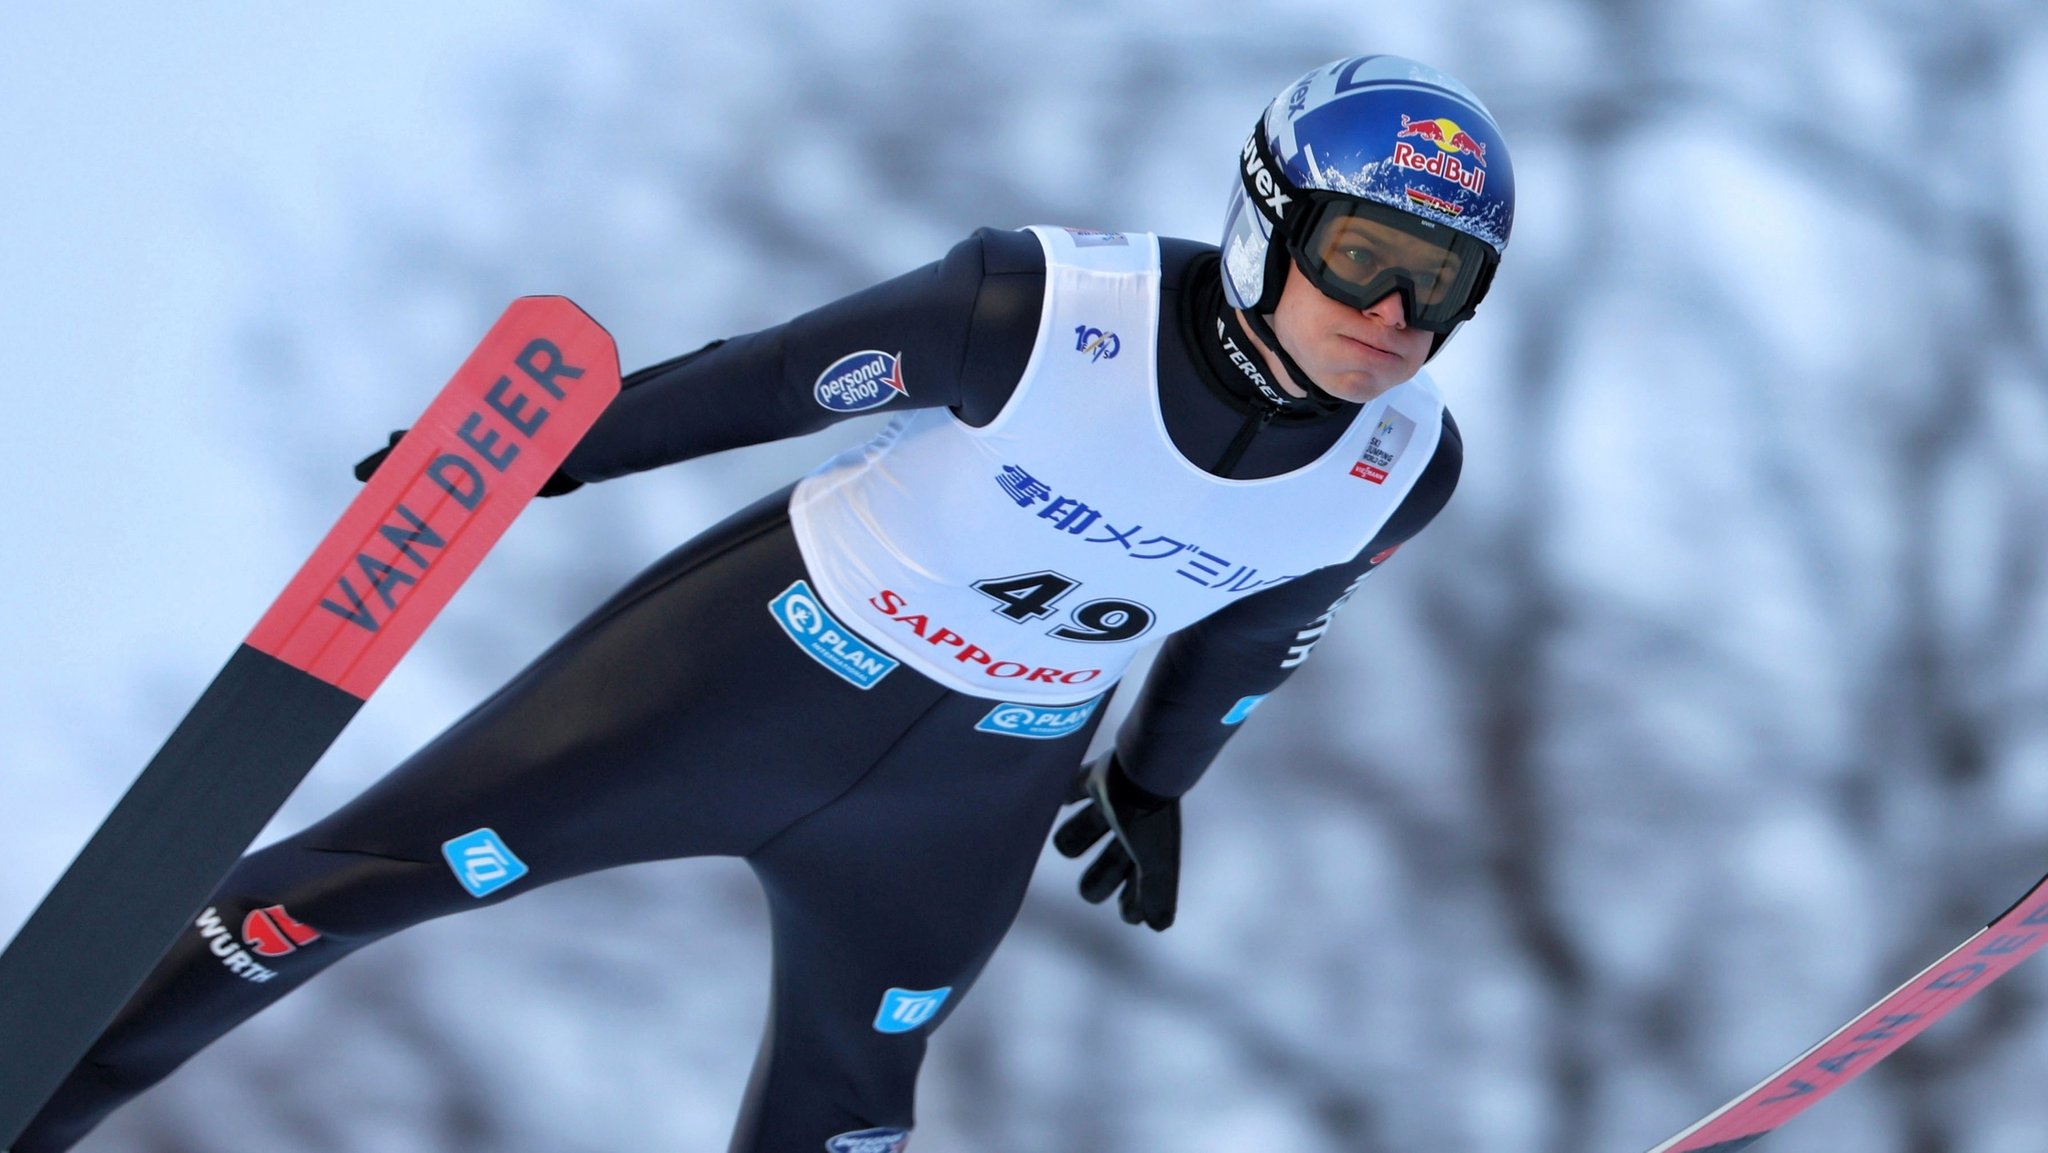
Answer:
(1323, 401)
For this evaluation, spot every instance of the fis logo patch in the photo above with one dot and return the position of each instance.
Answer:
(1390, 439)
(870, 1141)
(482, 863)
(826, 640)
(860, 381)
(905, 1009)
(1099, 345)
(1039, 724)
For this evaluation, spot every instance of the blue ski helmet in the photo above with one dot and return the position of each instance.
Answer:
(1387, 141)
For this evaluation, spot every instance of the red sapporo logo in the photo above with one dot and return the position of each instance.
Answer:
(272, 932)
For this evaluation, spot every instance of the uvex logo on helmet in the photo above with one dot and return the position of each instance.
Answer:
(1260, 179)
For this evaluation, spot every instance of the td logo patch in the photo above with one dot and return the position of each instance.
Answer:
(1242, 709)
(905, 1009)
(482, 863)
(870, 1141)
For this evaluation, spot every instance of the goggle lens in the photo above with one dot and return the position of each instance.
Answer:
(1360, 251)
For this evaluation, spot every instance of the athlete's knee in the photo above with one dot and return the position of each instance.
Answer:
(348, 896)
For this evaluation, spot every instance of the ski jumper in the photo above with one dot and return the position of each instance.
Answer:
(875, 686)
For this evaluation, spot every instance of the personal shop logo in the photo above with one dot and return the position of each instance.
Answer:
(860, 381)
(870, 1141)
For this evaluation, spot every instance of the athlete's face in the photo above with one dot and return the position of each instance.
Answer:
(1352, 354)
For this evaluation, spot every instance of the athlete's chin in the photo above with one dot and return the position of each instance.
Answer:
(1362, 387)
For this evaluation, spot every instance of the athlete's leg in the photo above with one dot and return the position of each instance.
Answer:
(885, 907)
(630, 740)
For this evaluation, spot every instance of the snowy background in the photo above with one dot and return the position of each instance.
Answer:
(1708, 712)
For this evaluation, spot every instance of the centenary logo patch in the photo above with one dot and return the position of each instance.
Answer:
(905, 1009)
(482, 863)
(870, 1141)
(1099, 345)
(828, 642)
(1038, 724)
(860, 381)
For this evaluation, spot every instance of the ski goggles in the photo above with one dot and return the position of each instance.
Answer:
(1360, 251)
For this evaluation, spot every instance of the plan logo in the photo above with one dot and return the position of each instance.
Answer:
(905, 1009)
(482, 863)
(826, 640)
(860, 381)
(870, 1141)
(1038, 724)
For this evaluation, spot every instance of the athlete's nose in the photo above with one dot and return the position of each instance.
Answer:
(1388, 311)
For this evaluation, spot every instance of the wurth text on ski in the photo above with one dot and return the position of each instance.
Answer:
(491, 436)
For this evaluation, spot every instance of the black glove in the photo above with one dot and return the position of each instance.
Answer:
(1143, 854)
(557, 485)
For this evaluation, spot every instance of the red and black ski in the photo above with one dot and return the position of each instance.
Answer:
(448, 491)
(2009, 939)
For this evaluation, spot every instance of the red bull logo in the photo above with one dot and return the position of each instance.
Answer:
(1450, 163)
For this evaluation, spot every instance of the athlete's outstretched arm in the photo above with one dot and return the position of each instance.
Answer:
(1205, 682)
(1210, 674)
(941, 322)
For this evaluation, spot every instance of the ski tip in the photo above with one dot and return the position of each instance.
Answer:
(449, 489)
(545, 308)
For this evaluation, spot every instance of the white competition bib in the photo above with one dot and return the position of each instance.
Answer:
(1030, 559)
